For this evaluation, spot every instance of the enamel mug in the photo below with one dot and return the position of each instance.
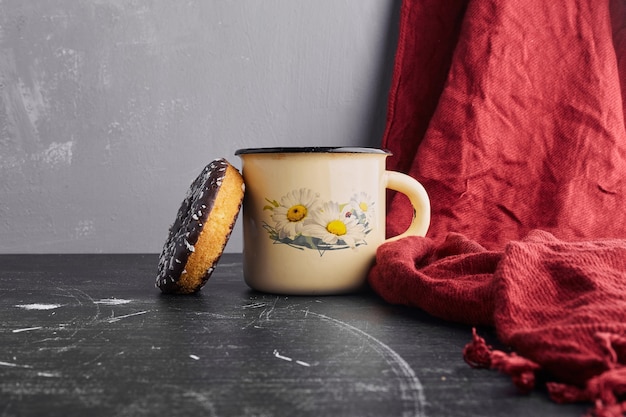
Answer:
(313, 217)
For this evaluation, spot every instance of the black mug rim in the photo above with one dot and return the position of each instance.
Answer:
(313, 149)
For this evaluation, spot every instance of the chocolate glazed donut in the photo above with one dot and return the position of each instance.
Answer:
(201, 229)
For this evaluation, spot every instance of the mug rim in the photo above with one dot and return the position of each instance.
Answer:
(313, 149)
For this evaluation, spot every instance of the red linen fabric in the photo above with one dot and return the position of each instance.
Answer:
(511, 114)
(560, 305)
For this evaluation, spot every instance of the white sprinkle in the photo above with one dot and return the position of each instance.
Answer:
(38, 306)
(303, 363)
(27, 329)
(194, 357)
(194, 216)
(190, 247)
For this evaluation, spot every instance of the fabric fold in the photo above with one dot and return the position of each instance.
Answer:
(560, 306)
(511, 115)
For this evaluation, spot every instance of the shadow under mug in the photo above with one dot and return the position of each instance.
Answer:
(313, 217)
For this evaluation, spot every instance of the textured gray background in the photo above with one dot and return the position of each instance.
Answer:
(110, 108)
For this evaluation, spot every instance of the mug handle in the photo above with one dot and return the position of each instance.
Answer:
(418, 197)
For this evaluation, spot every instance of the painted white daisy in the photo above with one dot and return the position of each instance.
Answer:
(295, 207)
(363, 204)
(331, 225)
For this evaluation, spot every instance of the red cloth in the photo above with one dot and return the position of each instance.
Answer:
(512, 116)
(560, 305)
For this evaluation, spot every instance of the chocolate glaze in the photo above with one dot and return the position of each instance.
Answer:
(186, 229)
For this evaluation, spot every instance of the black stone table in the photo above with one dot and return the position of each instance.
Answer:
(89, 335)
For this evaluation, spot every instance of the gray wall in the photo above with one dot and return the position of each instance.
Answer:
(110, 108)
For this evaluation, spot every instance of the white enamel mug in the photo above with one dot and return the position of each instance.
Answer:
(313, 217)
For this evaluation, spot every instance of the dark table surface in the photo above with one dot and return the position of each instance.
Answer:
(89, 335)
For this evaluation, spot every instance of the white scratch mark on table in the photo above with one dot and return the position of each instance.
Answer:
(112, 301)
(267, 313)
(288, 359)
(251, 323)
(279, 356)
(26, 329)
(14, 365)
(118, 318)
(49, 374)
(254, 305)
(37, 306)
(218, 315)
(410, 385)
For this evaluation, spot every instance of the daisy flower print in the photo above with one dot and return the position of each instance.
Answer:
(300, 219)
(362, 206)
(334, 226)
(295, 207)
